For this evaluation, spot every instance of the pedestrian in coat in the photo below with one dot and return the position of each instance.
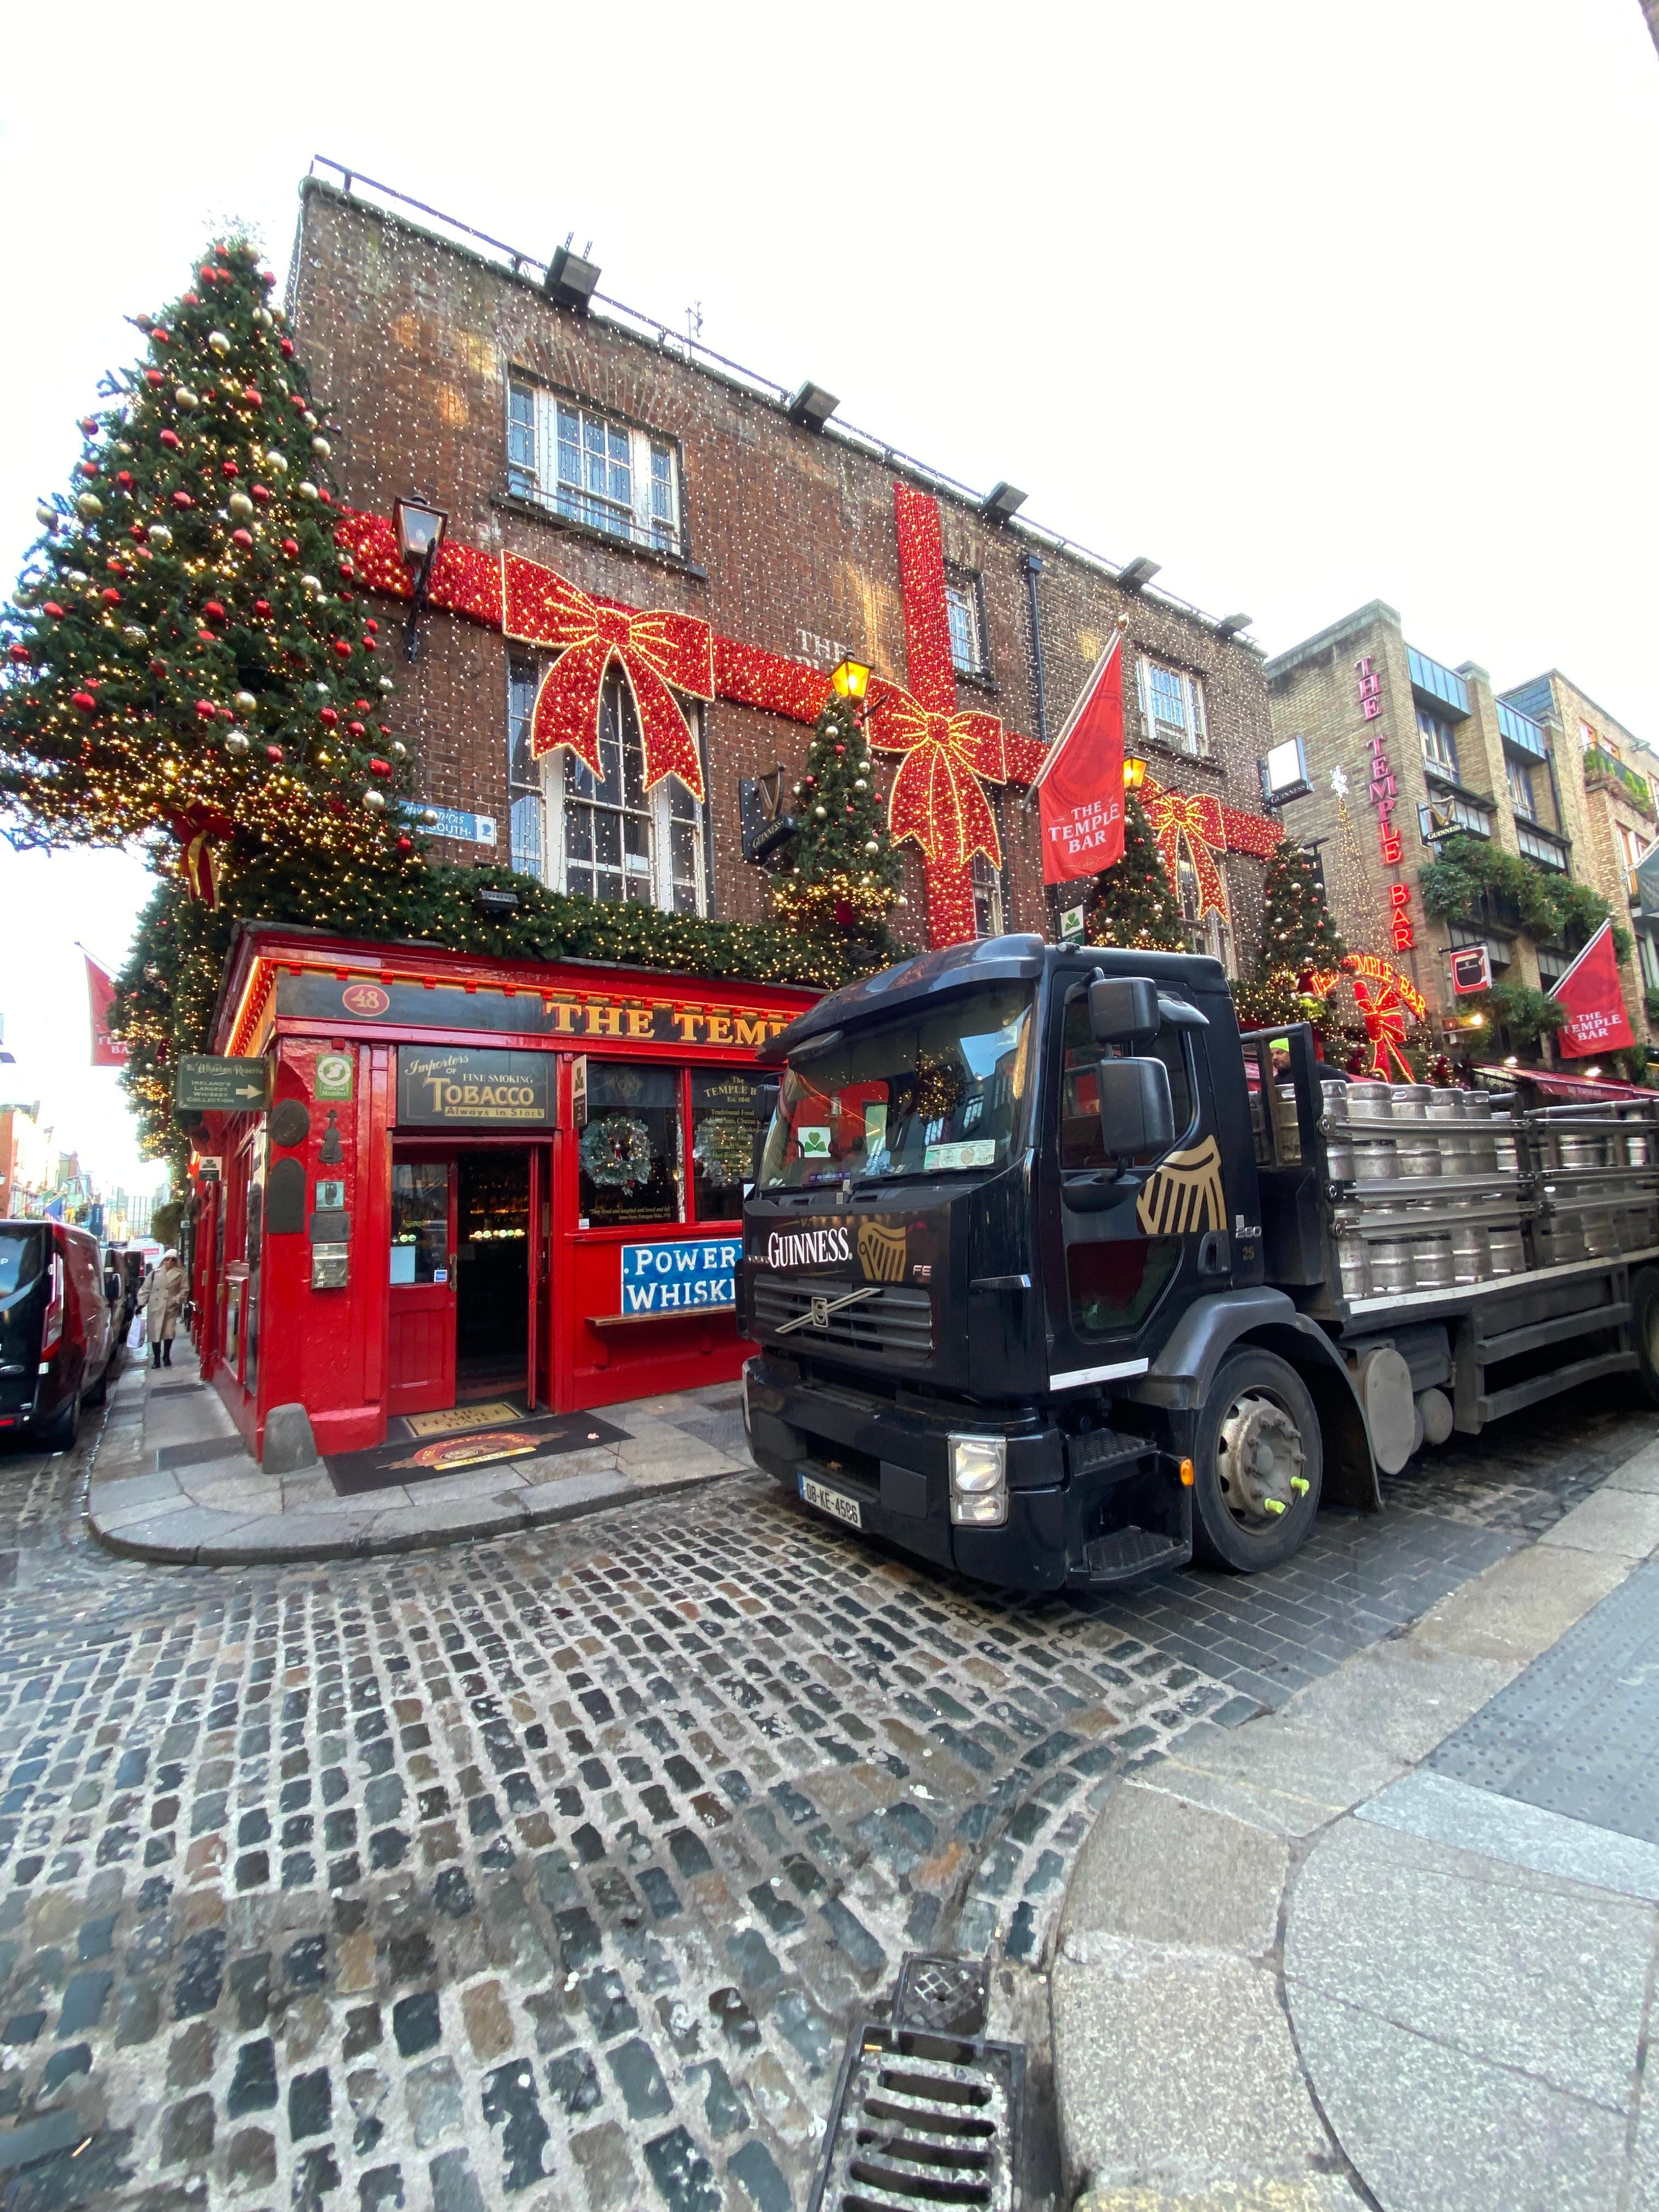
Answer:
(162, 1302)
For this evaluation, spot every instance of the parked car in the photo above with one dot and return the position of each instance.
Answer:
(57, 1335)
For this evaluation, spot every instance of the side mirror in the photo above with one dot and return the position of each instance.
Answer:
(1123, 1010)
(1137, 1114)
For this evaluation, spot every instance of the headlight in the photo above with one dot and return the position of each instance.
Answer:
(979, 1481)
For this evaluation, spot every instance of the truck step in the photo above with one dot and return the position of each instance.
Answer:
(1125, 1553)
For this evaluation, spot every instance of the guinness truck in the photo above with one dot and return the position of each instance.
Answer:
(1058, 1278)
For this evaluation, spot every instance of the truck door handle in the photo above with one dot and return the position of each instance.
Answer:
(1213, 1257)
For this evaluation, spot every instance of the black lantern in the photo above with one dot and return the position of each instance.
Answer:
(420, 533)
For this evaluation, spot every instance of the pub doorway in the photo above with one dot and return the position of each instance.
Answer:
(467, 1316)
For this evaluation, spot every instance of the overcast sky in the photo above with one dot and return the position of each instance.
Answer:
(1311, 301)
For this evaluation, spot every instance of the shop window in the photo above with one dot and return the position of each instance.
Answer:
(420, 1220)
(590, 469)
(725, 1123)
(1439, 746)
(524, 783)
(1172, 704)
(608, 836)
(632, 1171)
(966, 616)
(1518, 777)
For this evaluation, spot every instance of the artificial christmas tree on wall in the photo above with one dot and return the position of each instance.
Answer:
(187, 653)
(842, 871)
(1133, 901)
(1298, 937)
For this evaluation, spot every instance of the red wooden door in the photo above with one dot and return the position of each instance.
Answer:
(421, 1377)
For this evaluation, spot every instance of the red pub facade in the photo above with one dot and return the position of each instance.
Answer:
(475, 1179)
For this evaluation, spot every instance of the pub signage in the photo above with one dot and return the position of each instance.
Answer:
(443, 1088)
(591, 1018)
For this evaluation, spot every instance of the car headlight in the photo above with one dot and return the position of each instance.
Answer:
(979, 1481)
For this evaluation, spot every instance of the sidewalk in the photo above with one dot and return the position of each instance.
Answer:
(172, 1482)
(1402, 1933)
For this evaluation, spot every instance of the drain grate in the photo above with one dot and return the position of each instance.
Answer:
(925, 2117)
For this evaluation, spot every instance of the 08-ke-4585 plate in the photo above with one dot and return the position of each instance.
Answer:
(835, 1503)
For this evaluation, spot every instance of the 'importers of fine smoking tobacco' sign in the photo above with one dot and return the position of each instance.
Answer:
(441, 1088)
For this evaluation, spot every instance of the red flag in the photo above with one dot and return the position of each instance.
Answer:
(1595, 1003)
(106, 1051)
(1080, 788)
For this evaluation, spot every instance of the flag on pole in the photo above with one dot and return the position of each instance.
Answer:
(1080, 786)
(1594, 1003)
(106, 1051)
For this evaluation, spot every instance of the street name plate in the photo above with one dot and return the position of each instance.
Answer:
(207, 1085)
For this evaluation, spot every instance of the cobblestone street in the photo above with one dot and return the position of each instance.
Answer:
(554, 1870)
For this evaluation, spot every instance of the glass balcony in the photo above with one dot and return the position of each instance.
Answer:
(1538, 845)
(1603, 773)
(1520, 731)
(1438, 682)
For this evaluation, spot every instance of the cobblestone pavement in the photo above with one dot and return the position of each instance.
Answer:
(552, 1871)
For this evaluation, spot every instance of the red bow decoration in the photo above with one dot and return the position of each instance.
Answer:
(196, 833)
(540, 607)
(1174, 815)
(936, 797)
(1385, 1025)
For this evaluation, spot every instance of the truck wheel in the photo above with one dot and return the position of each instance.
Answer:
(1644, 1331)
(1258, 1466)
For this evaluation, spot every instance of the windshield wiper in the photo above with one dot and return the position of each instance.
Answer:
(904, 1175)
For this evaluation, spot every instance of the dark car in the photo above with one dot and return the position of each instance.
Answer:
(57, 1335)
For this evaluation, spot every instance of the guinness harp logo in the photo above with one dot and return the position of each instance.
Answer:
(881, 1252)
(1185, 1195)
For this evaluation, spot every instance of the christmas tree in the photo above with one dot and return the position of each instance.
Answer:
(842, 871)
(1297, 933)
(1134, 902)
(187, 653)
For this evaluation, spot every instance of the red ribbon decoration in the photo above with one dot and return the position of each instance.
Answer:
(1385, 1025)
(1197, 818)
(936, 797)
(196, 832)
(654, 650)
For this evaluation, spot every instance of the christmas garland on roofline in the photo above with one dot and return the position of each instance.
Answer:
(166, 992)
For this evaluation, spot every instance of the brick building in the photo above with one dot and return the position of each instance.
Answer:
(575, 439)
(1386, 748)
(1609, 781)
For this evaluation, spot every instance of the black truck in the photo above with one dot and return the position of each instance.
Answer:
(1058, 1278)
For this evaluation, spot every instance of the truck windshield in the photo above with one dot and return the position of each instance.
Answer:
(945, 1090)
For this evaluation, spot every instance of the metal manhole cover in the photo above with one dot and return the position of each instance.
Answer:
(922, 2121)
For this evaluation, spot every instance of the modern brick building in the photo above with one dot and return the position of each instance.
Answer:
(1395, 748)
(655, 478)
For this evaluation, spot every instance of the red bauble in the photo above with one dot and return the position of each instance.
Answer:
(183, 499)
(161, 336)
(262, 608)
(229, 469)
(123, 478)
(291, 547)
(267, 279)
(89, 425)
(206, 637)
(370, 624)
(258, 492)
(52, 609)
(192, 300)
(379, 767)
(356, 729)
(206, 709)
(845, 916)
(251, 396)
(214, 611)
(325, 496)
(154, 376)
(19, 651)
(136, 530)
(242, 538)
(274, 753)
(346, 569)
(158, 668)
(208, 274)
(86, 702)
(343, 646)
(287, 349)
(88, 469)
(328, 715)
(362, 705)
(112, 597)
(406, 844)
(171, 440)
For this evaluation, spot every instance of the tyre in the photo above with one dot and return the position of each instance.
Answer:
(100, 1389)
(59, 1433)
(1644, 1333)
(1258, 1466)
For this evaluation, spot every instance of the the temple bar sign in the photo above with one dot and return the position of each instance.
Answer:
(455, 1090)
(352, 1001)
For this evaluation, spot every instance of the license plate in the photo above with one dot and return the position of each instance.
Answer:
(834, 1502)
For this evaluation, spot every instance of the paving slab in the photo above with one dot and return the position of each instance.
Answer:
(1179, 2069)
(1273, 1773)
(1448, 1811)
(1305, 2192)
(1431, 2129)
(1547, 1978)
(1169, 1871)
(1623, 1523)
(1639, 1472)
(1523, 1605)
(1402, 1697)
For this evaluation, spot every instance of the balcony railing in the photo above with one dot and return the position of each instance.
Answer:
(1439, 683)
(1537, 844)
(1522, 732)
(1603, 773)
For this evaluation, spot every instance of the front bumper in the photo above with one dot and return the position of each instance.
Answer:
(1069, 1502)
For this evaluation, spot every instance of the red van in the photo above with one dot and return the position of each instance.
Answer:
(56, 1338)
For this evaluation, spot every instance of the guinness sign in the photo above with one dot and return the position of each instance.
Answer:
(444, 1088)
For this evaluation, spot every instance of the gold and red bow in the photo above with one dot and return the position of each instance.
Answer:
(1385, 1025)
(654, 651)
(1173, 816)
(936, 796)
(198, 831)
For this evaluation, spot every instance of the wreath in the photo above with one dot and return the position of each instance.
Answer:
(724, 1146)
(616, 1154)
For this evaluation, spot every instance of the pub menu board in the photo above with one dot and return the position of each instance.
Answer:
(726, 1119)
(443, 1088)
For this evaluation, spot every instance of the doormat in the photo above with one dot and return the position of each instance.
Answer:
(409, 1459)
(489, 1416)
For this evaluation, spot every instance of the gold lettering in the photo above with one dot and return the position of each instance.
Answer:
(639, 1022)
(564, 1017)
(719, 1029)
(435, 1083)
(747, 1031)
(605, 1021)
(686, 1025)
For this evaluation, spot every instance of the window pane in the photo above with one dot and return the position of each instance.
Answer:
(525, 820)
(521, 774)
(420, 1219)
(725, 1122)
(964, 628)
(629, 1152)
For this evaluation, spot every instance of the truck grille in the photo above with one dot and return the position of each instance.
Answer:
(896, 1324)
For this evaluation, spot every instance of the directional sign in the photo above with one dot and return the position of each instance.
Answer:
(206, 1085)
